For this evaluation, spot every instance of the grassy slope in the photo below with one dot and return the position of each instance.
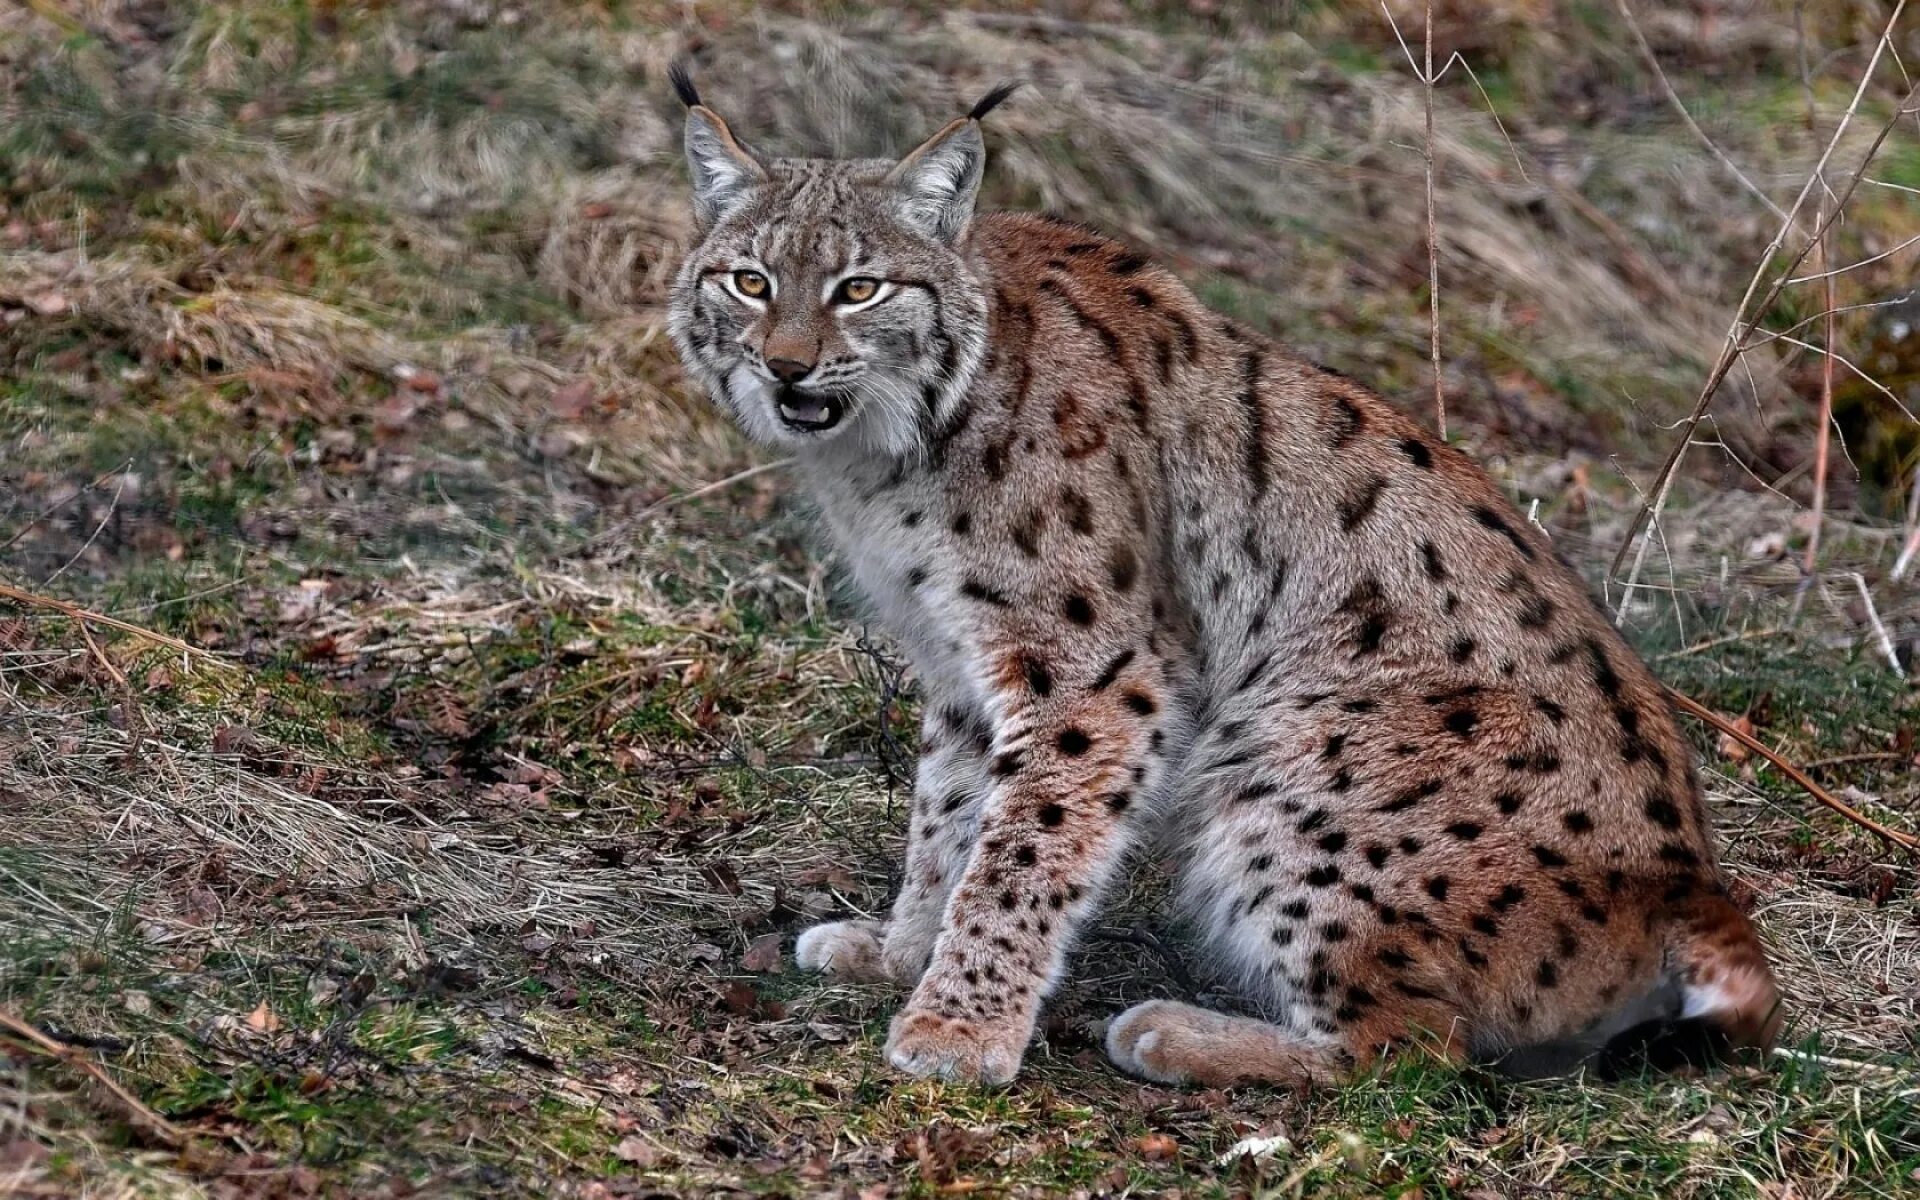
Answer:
(330, 345)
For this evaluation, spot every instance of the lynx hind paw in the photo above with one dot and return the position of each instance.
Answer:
(848, 950)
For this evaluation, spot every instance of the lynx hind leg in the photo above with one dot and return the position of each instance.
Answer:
(848, 950)
(1170, 1042)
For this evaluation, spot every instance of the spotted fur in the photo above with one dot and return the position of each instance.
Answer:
(1160, 577)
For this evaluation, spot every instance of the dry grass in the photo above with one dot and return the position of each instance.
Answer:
(332, 345)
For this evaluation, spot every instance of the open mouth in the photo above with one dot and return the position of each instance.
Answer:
(809, 412)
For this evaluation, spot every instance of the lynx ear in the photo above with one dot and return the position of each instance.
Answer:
(722, 168)
(941, 178)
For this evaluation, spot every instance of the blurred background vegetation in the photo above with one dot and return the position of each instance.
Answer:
(331, 345)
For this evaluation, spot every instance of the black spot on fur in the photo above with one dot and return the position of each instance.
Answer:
(1553, 712)
(973, 589)
(1536, 613)
(1123, 570)
(1411, 797)
(1466, 831)
(1078, 609)
(1079, 512)
(1348, 421)
(1039, 679)
(1417, 453)
(1437, 887)
(1356, 508)
(1073, 742)
(1662, 811)
(1430, 562)
(1113, 669)
(1007, 764)
(1367, 604)
(1462, 649)
(1052, 814)
(1462, 722)
(1509, 802)
(1547, 856)
(1334, 842)
(962, 524)
(1675, 853)
(1335, 743)
(1577, 821)
(1509, 896)
(1548, 975)
(1140, 703)
(1494, 521)
(1322, 876)
(1377, 855)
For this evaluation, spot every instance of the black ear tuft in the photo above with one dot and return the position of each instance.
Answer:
(992, 100)
(682, 81)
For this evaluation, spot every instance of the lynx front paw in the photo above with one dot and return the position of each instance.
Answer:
(848, 950)
(926, 1043)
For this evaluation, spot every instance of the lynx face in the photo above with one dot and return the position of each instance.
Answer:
(826, 300)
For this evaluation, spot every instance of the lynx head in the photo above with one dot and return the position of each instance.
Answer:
(832, 301)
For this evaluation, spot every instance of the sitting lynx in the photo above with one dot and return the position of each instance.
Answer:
(1161, 578)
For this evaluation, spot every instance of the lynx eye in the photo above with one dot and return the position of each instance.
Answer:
(751, 284)
(857, 290)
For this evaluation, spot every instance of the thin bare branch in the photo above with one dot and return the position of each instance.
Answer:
(1694, 708)
(1673, 98)
(1743, 325)
(158, 1125)
(88, 616)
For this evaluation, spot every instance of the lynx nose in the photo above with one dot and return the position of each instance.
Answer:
(787, 370)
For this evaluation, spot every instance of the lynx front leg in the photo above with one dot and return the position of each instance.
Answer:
(949, 787)
(948, 792)
(1072, 761)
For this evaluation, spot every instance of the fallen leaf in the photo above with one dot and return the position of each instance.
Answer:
(263, 1020)
(636, 1150)
(763, 955)
(1731, 748)
(1157, 1147)
(571, 401)
(48, 304)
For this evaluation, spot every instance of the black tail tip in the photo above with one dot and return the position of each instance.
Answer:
(682, 81)
(992, 99)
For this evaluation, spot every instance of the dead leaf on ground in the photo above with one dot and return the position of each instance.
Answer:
(763, 955)
(1731, 748)
(636, 1150)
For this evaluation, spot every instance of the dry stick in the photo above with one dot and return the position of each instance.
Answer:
(1743, 326)
(1433, 243)
(1694, 708)
(84, 615)
(167, 1131)
(1823, 435)
(1673, 98)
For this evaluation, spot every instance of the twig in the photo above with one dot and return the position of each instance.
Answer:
(166, 1130)
(1847, 760)
(1433, 244)
(1873, 621)
(1694, 708)
(661, 505)
(1824, 434)
(1743, 325)
(1428, 79)
(86, 615)
(1673, 98)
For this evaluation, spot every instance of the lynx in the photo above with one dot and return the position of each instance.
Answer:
(1161, 579)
